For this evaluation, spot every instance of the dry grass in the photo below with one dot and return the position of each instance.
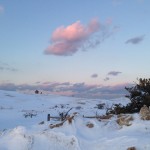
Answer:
(124, 120)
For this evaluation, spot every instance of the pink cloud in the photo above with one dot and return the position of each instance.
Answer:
(68, 40)
(75, 31)
(62, 48)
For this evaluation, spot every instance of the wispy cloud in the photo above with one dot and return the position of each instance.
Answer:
(135, 40)
(111, 73)
(106, 79)
(68, 40)
(114, 73)
(1, 9)
(38, 82)
(95, 75)
(7, 67)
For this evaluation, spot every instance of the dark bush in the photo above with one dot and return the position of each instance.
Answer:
(100, 106)
(139, 96)
(36, 92)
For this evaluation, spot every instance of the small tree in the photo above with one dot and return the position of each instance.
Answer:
(36, 92)
(139, 96)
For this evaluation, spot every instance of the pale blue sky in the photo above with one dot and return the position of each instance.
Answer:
(26, 28)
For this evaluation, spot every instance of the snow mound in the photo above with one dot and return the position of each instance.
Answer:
(19, 139)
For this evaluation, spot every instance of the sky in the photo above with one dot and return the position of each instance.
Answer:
(83, 47)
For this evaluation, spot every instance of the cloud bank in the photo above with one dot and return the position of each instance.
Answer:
(69, 89)
(135, 40)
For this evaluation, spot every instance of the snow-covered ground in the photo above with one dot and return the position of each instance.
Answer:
(18, 131)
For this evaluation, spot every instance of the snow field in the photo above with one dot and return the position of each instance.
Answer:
(18, 132)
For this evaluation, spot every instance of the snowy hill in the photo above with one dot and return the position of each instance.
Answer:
(24, 125)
